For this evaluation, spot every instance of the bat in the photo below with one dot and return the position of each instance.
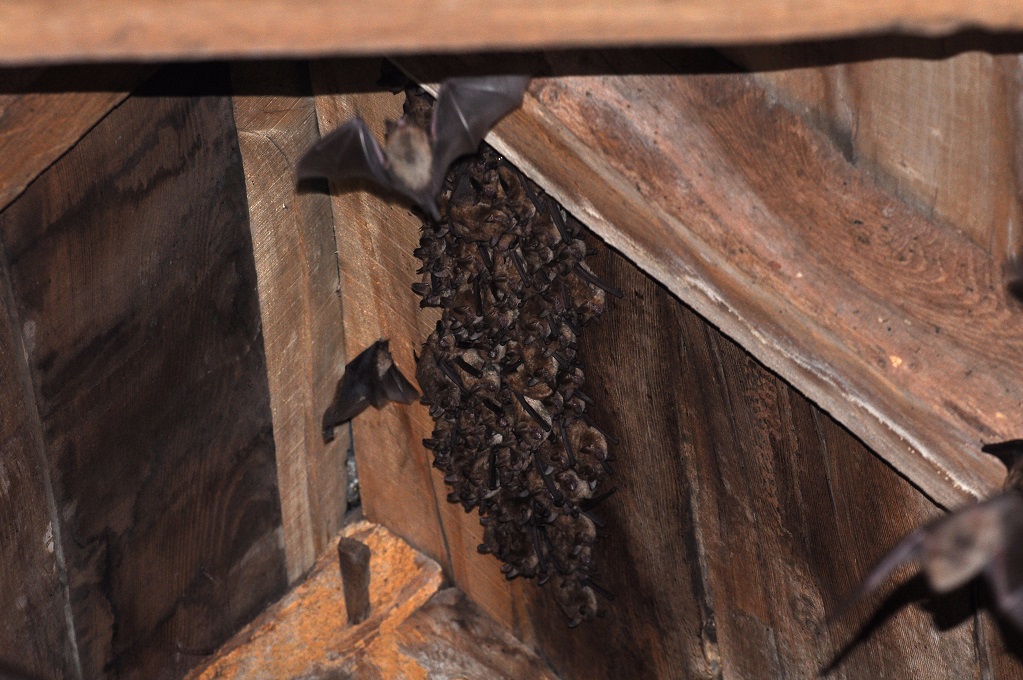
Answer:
(370, 379)
(414, 161)
(983, 539)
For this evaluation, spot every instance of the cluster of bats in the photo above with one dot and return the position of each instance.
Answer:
(985, 539)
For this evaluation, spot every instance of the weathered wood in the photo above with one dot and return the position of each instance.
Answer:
(934, 122)
(894, 323)
(38, 31)
(300, 304)
(375, 240)
(744, 517)
(354, 557)
(45, 111)
(451, 637)
(306, 633)
(36, 637)
(132, 268)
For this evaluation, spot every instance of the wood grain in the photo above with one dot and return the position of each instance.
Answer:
(111, 30)
(36, 636)
(300, 303)
(936, 123)
(415, 630)
(896, 324)
(45, 111)
(132, 268)
(743, 518)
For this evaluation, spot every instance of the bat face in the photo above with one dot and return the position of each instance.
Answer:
(370, 379)
(413, 161)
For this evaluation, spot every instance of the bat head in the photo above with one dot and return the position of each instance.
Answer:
(409, 155)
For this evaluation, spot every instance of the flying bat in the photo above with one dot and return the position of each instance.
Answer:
(414, 161)
(370, 379)
(983, 539)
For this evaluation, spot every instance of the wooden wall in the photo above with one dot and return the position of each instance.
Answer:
(138, 475)
(744, 516)
(162, 479)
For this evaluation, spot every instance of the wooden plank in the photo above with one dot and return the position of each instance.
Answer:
(39, 31)
(892, 322)
(132, 268)
(44, 111)
(415, 630)
(451, 637)
(744, 516)
(935, 123)
(300, 304)
(306, 633)
(36, 635)
(375, 240)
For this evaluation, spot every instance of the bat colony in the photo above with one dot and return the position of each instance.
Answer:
(500, 372)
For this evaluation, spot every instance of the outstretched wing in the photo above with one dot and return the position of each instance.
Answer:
(466, 110)
(349, 151)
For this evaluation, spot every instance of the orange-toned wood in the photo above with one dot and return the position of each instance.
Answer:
(40, 31)
(414, 629)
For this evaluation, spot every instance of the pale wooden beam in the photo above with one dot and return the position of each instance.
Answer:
(300, 304)
(36, 31)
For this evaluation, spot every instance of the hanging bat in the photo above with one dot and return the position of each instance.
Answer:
(414, 161)
(986, 538)
(370, 379)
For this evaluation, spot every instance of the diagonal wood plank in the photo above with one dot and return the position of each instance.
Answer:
(895, 324)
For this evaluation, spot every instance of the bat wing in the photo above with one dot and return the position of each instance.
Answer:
(349, 151)
(466, 110)
(396, 387)
(354, 392)
(1004, 569)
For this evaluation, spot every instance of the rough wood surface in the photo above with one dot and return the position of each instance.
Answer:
(743, 518)
(40, 31)
(131, 265)
(45, 111)
(300, 304)
(937, 123)
(36, 636)
(896, 324)
(375, 240)
(413, 630)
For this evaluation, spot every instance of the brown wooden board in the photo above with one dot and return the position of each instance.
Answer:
(935, 122)
(300, 301)
(133, 273)
(896, 324)
(45, 111)
(35, 636)
(743, 518)
(40, 31)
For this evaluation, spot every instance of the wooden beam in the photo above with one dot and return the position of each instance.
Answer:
(897, 325)
(44, 112)
(37, 31)
(300, 302)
